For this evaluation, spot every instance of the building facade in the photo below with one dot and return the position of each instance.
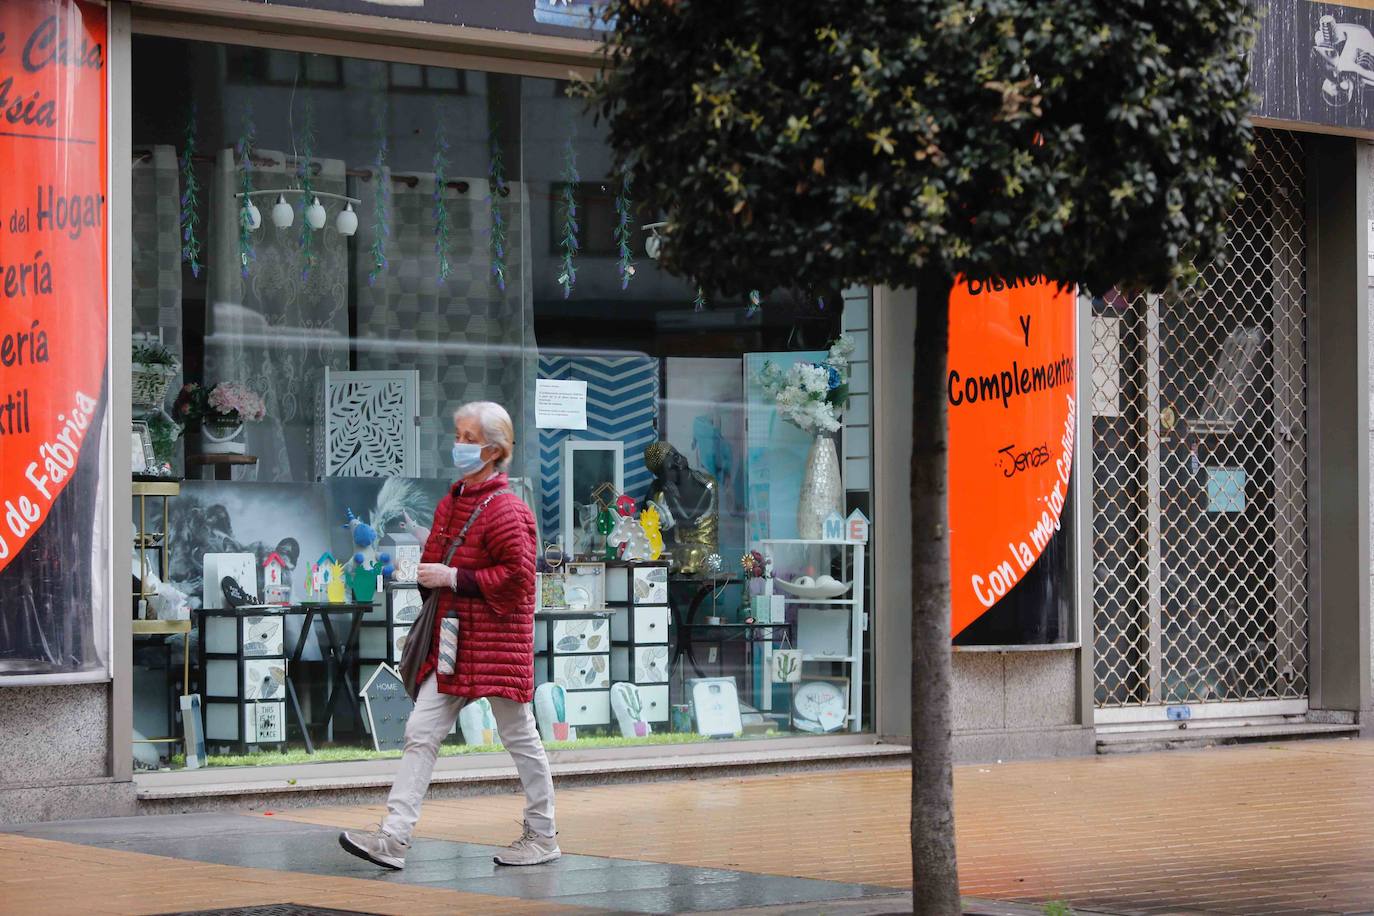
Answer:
(346, 224)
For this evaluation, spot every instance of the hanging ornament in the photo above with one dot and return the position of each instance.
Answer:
(699, 303)
(190, 197)
(442, 228)
(755, 303)
(305, 172)
(381, 194)
(243, 149)
(626, 265)
(496, 189)
(568, 276)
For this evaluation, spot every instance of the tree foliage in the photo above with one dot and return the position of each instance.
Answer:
(814, 144)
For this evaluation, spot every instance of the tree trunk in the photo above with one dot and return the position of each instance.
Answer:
(935, 872)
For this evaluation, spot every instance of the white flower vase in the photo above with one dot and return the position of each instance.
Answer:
(219, 438)
(821, 492)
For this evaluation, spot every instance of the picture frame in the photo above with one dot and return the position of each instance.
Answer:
(577, 586)
(587, 465)
(142, 457)
(715, 707)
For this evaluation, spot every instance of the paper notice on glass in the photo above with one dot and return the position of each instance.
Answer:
(560, 404)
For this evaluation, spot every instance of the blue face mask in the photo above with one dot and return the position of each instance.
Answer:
(467, 458)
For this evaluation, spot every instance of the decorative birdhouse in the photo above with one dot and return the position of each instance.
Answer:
(275, 581)
(856, 528)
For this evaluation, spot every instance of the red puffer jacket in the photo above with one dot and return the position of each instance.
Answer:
(496, 631)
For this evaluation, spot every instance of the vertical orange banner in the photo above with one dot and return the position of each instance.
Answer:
(53, 217)
(1012, 414)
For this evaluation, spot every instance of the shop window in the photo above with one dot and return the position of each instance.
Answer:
(344, 251)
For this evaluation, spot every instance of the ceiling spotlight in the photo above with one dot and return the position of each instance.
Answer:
(315, 215)
(282, 213)
(347, 221)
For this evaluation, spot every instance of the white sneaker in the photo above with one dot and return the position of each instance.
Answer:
(376, 846)
(530, 849)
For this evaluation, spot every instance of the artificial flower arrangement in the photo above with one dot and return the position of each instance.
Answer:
(812, 396)
(225, 404)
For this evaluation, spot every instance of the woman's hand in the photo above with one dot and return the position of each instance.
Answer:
(436, 575)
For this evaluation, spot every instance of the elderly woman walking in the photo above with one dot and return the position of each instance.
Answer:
(488, 585)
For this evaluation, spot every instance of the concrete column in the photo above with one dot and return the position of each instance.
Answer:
(1338, 397)
(894, 327)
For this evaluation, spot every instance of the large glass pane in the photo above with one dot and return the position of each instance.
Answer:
(472, 243)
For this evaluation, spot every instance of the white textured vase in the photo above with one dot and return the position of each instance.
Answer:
(221, 438)
(821, 491)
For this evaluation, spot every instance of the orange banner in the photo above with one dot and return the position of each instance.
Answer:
(1012, 413)
(54, 304)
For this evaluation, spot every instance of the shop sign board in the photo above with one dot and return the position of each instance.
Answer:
(564, 18)
(54, 314)
(1314, 63)
(1011, 402)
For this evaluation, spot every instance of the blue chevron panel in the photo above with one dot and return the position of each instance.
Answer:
(622, 405)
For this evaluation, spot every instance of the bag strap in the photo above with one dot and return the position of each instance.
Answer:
(461, 537)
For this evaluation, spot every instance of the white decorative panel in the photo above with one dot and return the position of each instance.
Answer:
(371, 424)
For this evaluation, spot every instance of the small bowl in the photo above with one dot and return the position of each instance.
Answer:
(814, 591)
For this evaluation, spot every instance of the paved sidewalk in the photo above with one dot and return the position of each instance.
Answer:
(1269, 829)
(1248, 830)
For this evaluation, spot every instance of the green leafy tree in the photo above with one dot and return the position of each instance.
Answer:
(815, 144)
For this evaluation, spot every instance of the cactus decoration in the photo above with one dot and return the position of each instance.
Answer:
(786, 666)
(551, 713)
(190, 197)
(629, 710)
(248, 133)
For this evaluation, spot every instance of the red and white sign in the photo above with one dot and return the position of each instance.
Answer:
(54, 264)
(1012, 414)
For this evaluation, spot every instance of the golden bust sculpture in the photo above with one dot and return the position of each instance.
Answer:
(691, 497)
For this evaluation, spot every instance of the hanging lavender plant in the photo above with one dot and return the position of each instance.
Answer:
(190, 197)
(496, 189)
(623, 234)
(568, 277)
(381, 194)
(442, 229)
(305, 172)
(248, 135)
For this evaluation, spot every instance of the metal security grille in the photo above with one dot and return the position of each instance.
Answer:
(1199, 475)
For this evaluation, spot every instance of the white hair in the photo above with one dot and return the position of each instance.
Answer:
(497, 428)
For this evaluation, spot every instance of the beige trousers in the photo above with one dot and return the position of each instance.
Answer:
(430, 721)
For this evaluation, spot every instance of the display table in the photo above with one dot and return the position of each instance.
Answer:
(146, 628)
(223, 464)
(342, 655)
(145, 540)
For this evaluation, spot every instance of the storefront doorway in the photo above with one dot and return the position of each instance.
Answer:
(1199, 413)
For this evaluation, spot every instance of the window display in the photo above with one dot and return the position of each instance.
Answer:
(359, 258)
